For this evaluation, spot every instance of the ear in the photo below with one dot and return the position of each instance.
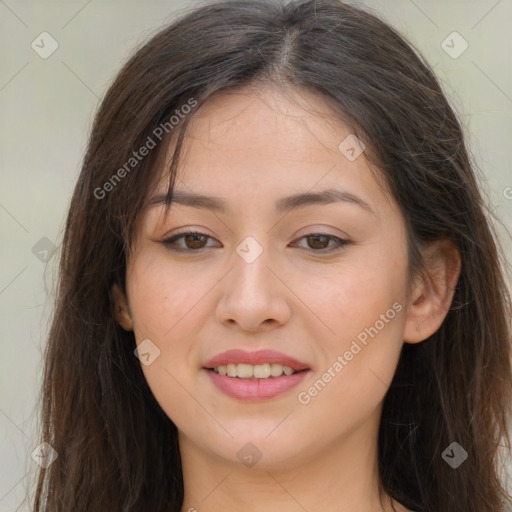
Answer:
(121, 309)
(432, 294)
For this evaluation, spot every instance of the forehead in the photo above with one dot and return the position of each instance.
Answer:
(250, 119)
(268, 139)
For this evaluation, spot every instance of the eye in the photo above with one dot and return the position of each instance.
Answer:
(195, 241)
(320, 242)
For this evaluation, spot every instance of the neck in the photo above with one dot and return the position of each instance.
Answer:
(343, 477)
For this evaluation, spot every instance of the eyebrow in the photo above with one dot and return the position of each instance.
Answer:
(282, 205)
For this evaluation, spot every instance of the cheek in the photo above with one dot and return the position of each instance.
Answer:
(161, 296)
(364, 305)
(165, 304)
(355, 296)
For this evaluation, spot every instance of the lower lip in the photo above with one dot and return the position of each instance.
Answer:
(251, 390)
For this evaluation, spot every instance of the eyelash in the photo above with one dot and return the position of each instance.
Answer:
(170, 242)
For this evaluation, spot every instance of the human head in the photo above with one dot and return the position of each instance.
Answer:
(389, 98)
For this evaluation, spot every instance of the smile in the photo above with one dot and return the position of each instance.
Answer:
(253, 376)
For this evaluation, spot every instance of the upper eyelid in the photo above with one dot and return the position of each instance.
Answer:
(312, 231)
(196, 232)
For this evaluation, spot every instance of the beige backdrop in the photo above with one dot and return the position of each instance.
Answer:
(57, 58)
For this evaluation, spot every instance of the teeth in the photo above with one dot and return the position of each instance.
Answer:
(262, 371)
(257, 371)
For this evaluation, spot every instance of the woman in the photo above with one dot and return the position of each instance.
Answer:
(278, 286)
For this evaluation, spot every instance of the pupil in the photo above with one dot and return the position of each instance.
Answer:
(194, 237)
(316, 237)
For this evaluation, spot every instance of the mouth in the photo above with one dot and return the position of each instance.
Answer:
(252, 376)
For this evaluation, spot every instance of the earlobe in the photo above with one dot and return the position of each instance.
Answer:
(433, 293)
(121, 309)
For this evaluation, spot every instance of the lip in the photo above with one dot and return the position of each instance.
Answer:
(259, 357)
(255, 390)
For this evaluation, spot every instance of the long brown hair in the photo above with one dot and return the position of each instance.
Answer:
(118, 450)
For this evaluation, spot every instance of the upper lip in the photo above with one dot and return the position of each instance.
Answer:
(259, 357)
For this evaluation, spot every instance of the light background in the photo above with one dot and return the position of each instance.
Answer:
(46, 110)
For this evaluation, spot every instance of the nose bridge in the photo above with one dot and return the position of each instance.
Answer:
(251, 261)
(251, 295)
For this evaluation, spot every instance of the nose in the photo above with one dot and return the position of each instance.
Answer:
(254, 296)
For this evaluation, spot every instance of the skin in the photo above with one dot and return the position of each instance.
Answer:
(251, 147)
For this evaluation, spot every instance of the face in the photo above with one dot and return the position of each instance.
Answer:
(319, 282)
